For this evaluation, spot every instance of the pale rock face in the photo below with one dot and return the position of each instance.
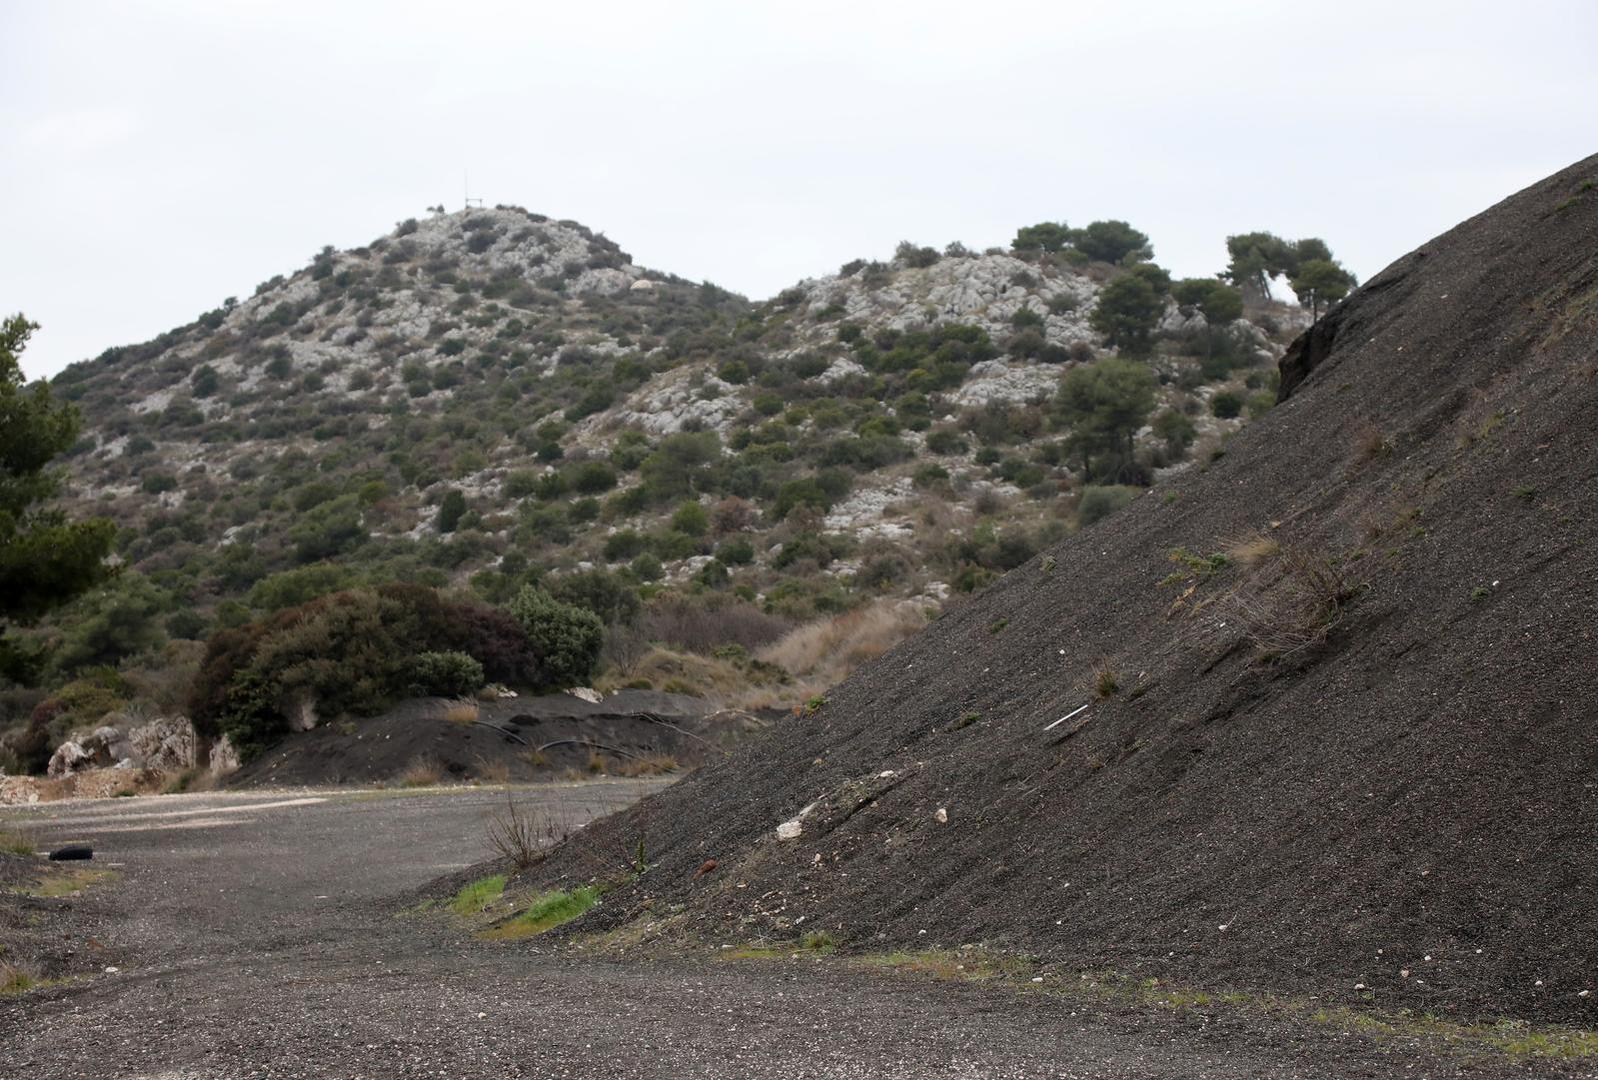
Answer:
(866, 506)
(96, 750)
(69, 758)
(841, 368)
(165, 743)
(1008, 382)
(153, 402)
(984, 290)
(224, 758)
(672, 402)
(301, 714)
(1175, 324)
(690, 566)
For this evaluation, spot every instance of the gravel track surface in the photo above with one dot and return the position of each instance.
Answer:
(257, 936)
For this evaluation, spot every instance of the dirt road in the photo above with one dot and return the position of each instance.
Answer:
(256, 937)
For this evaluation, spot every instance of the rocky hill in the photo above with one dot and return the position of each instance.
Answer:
(1318, 719)
(489, 396)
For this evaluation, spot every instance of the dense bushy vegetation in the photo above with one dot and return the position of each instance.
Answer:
(353, 653)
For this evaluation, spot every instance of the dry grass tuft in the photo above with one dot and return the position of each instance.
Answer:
(422, 772)
(647, 765)
(1296, 607)
(1106, 680)
(463, 712)
(15, 979)
(1370, 443)
(1252, 548)
(493, 772)
(821, 654)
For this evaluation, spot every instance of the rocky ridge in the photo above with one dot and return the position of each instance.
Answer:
(487, 351)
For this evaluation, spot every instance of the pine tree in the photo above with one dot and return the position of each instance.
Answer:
(45, 560)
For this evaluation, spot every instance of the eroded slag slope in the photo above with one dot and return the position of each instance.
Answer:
(1340, 689)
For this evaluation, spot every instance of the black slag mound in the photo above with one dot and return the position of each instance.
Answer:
(1340, 719)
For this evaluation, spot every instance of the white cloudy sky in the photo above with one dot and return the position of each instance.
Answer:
(159, 155)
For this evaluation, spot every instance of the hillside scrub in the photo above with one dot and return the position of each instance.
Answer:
(564, 420)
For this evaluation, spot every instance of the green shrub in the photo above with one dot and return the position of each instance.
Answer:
(116, 621)
(521, 483)
(691, 519)
(819, 491)
(451, 510)
(624, 544)
(445, 674)
(1177, 430)
(736, 551)
(591, 477)
(291, 588)
(331, 529)
(1099, 503)
(566, 638)
(1226, 404)
(204, 382)
(946, 441)
(612, 597)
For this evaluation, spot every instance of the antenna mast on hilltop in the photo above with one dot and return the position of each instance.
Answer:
(466, 190)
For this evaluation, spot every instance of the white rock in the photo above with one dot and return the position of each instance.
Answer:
(1007, 382)
(224, 758)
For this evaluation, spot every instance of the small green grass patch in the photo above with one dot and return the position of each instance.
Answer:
(819, 941)
(975, 965)
(56, 884)
(477, 895)
(546, 912)
(15, 980)
(754, 952)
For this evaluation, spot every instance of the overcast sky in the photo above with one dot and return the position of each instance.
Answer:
(158, 156)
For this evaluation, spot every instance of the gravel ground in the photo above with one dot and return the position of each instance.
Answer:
(256, 936)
